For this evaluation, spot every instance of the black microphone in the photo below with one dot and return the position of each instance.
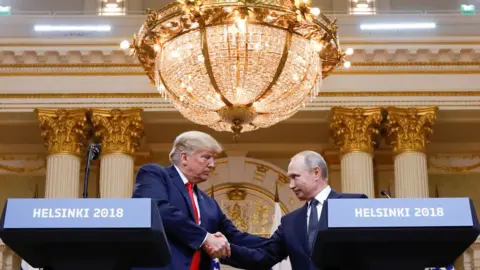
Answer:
(384, 193)
(92, 154)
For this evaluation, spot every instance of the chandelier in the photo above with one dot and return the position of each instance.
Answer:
(238, 65)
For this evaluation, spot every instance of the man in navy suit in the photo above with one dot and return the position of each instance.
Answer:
(196, 227)
(295, 236)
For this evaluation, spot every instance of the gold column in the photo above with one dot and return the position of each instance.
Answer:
(354, 130)
(121, 132)
(65, 134)
(408, 131)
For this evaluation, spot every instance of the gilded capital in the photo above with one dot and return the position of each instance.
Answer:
(354, 128)
(119, 129)
(409, 129)
(64, 131)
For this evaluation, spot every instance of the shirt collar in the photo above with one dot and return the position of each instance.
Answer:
(184, 179)
(323, 195)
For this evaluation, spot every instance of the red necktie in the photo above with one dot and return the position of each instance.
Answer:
(196, 256)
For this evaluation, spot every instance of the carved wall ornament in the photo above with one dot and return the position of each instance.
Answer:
(409, 129)
(238, 213)
(236, 194)
(64, 131)
(354, 129)
(260, 172)
(454, 164)
(120, 130)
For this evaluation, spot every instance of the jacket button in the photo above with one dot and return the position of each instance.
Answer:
(187, 264)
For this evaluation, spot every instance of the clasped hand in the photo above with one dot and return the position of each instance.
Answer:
(217, 246)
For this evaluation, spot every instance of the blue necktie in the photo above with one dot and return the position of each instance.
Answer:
(312, 223)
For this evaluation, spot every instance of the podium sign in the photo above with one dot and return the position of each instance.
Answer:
(78, 234)
(75, 213)
(394, 234)
(425, 212)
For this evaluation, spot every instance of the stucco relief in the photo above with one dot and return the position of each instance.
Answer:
(245, 189)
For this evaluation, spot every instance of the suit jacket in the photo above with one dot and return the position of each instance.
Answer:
(290, 239)
(184, 235)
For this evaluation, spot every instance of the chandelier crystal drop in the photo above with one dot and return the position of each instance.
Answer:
(238, 65)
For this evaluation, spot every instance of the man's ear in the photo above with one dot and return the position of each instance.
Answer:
(317, 172)
(183, 158)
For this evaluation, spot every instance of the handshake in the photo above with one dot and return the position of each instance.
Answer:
(217, 246)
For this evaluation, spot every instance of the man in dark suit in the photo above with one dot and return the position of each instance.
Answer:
(295, 236)
(196, 227)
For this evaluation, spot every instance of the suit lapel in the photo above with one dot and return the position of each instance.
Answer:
(177, 180)
(202, 208)
(301, 226)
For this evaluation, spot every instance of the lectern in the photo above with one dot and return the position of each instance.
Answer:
(74, 234)
(394, 234)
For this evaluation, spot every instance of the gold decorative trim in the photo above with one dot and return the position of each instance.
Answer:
(247, 186)
(320, 94)
(22, 169)
(419, 71)
(345, 43)
(415, 63)
(27, 44)
(66, 65)
(280, 179)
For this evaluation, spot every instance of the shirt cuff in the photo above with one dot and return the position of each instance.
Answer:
(205, 239)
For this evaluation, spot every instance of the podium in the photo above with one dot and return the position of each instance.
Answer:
(74, 234)
(394, 234)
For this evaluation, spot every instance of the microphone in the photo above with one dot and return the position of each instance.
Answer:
(384, 193)
(92, 154)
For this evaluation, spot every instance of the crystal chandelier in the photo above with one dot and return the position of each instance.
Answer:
(238, 65)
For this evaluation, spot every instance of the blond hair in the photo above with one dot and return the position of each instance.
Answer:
(191, 142)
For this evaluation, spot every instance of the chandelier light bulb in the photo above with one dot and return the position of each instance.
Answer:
(315, 11)
(349, 51)
(124, 45)
(241, 25)
(347, 64)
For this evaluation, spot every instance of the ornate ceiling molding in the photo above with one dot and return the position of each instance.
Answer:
(116, 62)
(451, 100)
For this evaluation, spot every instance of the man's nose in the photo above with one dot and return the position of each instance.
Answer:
(291, 185)
(211, 164)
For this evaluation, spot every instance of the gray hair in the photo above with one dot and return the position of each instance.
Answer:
(312, 160)
(191, 142)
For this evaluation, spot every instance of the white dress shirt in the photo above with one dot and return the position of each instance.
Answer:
(185, 181)
(321, 197)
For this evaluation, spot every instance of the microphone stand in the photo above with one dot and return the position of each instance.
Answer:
(92, 154)
(384, 193)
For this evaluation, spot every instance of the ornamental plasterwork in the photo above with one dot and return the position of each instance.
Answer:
(254, 175)
(115, 61)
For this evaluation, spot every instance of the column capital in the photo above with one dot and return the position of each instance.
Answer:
(354, 128)
(64, 131)
(409, 129)
(120, 129)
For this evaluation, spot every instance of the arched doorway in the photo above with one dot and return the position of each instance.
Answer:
(245, 189)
